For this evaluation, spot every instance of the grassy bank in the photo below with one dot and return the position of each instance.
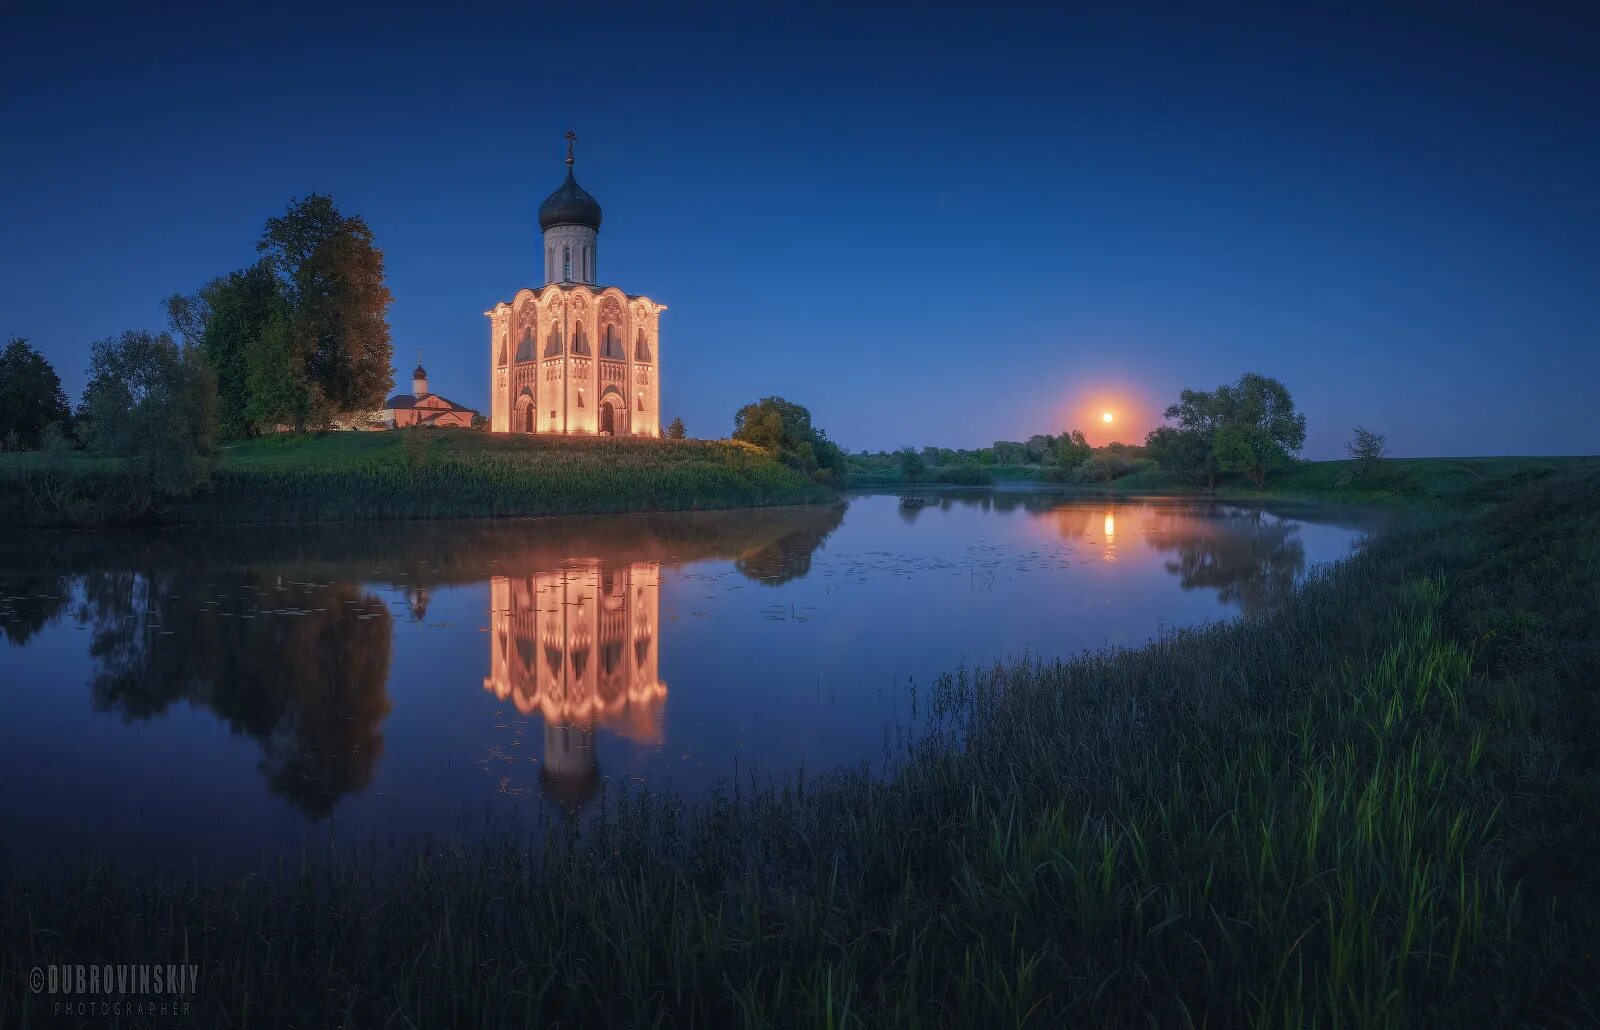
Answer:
(1393, 482)
(415, 475)
(1375, 806)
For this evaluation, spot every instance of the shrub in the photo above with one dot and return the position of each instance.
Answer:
(911, 465)
(964, 475)
(1367, 449)
(1104, 466)
(785, 429)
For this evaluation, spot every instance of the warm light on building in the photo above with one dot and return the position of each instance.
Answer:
(573, 356)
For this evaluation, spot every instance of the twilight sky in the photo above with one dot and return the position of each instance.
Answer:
(947, 225)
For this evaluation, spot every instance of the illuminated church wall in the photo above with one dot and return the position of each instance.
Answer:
(578, 647)
(574, 357)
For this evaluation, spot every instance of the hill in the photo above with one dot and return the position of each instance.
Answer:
(417, 474)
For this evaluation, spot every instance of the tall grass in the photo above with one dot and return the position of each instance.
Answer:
(1373, 806)
(418, 474)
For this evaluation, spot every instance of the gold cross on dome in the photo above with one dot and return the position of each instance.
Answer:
(572, 138)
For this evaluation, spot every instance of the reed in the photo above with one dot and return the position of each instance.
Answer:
(1373, 805)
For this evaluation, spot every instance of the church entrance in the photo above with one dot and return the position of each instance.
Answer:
(608, 419)
(524, 420)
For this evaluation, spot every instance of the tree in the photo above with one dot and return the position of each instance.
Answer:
(153, 403)
(30, 398)
(238, 320)
(275, 380)
(1009, 452)
(1071, 450)
(1367, 449)
(911, 465)
(675, 430)
(1250, 426)
(331, 275)
(1250, 450)
(1185, 453)
(785, 428)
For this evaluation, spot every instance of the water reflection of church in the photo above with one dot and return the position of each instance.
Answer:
(578, 646)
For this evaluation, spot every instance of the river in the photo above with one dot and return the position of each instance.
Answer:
(222, 697)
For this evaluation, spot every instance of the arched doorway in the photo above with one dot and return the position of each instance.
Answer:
(608, 418)
(525, 420)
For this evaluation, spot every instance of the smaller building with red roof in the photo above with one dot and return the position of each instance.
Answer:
(422, 408)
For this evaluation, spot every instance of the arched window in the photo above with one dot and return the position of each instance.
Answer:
(641, 348)
(552, 345)
(525, 348)
(566, 264)
(501, 360)
(580, 342)
(612, 347)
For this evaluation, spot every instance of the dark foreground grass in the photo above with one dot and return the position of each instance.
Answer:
(417, 474)
(1374, 806)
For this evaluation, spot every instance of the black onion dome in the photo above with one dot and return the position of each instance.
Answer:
(419, 373)
(570, 205)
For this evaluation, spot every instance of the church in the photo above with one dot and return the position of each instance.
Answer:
(423, 407)
(572, 356)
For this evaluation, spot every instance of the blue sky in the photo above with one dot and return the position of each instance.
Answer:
(929, 225)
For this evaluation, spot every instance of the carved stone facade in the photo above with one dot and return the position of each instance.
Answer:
(574, 357)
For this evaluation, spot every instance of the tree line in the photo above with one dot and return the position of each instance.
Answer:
(1249, 428)
(297, 340)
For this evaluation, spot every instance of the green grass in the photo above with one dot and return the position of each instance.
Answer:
(442, 474)
(1394, 482)
(1375, 805)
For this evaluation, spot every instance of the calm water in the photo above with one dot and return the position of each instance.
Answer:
(220, 697)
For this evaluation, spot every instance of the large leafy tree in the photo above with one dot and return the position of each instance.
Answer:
(1250, 427)
(785, 428)
(31, 398)
(330, 274)
(153, 402)
(241, 321)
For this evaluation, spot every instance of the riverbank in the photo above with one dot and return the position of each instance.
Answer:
(413, 475)
(1395, 482)
(1376, 804)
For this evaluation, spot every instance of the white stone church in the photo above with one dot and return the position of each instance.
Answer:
(573, 356)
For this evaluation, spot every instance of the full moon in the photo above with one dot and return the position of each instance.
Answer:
(1106, 417)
